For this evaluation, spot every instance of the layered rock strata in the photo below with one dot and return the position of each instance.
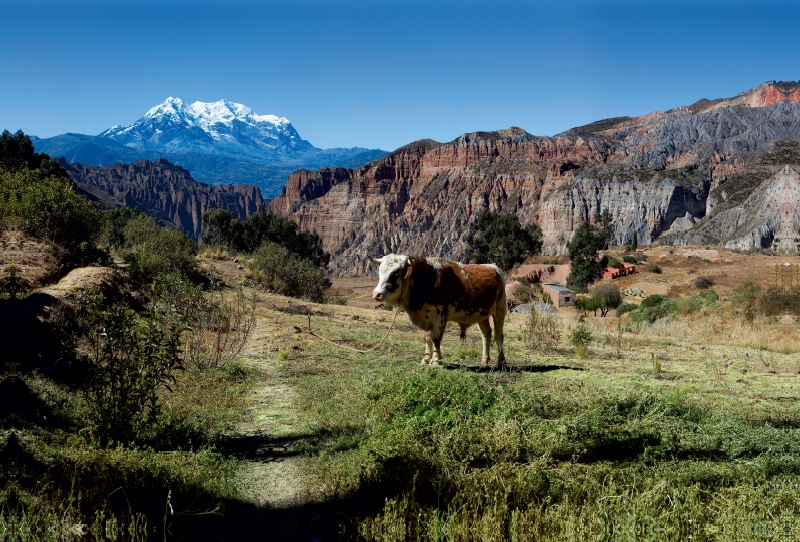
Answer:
(165, 191)
(660, 175)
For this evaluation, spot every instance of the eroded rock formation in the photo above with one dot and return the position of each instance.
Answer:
(165, 191)
(662, 175)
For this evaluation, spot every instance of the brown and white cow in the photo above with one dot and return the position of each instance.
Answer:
(434, 291)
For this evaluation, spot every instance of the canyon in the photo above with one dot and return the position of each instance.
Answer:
(664, 175)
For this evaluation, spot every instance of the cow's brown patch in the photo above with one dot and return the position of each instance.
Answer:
(467, 288)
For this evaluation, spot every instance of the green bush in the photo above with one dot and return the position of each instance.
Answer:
(282, 271)
(129, 359)
(653, 300)
(152, 251)
(115, 222)
(653, 268)
(49, 209)
(580, 337)
(625, 309)
(222, 227)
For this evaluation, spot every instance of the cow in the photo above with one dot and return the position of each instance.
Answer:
(434, 291)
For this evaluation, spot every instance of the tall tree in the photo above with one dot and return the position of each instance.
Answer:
(500, 239)
(585, 266)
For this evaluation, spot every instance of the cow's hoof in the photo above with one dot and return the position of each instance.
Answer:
(485, 361)
(435, 362)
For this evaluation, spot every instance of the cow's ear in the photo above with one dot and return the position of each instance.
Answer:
(411, 261)
(376, 261)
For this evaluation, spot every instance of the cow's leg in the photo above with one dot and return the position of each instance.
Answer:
(486, 332)
(428, 348)
(463, 336)
(436, 335)
(499, 318)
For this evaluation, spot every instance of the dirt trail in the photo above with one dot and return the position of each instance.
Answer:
(271, 475)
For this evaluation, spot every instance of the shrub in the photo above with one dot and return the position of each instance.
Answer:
(653, 300)
(625, 309)
(580, 338)
(115, 222)
(653, 267)
(748, 298)
(280, 270)
(703, 282)
(654, 307)
(50, 209)
(612, 261)
(129, 360)
(222, 227)
(152, 251)
(629, 259)
(217, 328)
(541, 331)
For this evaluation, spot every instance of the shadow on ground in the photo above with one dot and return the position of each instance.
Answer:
(509, 368)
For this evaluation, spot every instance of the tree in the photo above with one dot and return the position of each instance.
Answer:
(635, 242)
(17, 152)
(585, 267)
(603, 300)
(500, 239)
(223, 227)
(607, 230)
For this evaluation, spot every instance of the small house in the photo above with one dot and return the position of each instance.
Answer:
(561, 297)
(619, 270)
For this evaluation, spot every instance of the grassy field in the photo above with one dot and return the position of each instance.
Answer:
(686, 427)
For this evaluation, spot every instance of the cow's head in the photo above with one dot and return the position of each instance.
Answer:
(393, 270)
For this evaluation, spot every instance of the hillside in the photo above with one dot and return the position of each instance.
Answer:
(165, 191)
(659, 174)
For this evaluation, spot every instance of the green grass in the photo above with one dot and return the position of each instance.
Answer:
(660, 444)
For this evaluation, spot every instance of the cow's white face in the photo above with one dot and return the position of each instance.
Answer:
(391, 273)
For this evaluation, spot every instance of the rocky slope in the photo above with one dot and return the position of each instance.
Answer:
(165, 191)
(659, 174)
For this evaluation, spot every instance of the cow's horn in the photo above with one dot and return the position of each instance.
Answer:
(376, 261)
(411, 261)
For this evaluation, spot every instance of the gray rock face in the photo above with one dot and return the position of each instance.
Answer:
(769, 218)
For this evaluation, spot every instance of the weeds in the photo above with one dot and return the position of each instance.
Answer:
(219, 329)
(541, 331)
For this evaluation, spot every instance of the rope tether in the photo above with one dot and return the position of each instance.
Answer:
(396, 312)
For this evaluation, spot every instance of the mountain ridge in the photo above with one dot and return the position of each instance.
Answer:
(220, 142)
(659, 174)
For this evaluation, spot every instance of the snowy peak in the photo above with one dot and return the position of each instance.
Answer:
(222, 127)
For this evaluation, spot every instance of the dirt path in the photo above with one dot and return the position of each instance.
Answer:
(271, 474)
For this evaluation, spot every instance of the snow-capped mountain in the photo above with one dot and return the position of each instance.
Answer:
(220, 128)
(219, 143)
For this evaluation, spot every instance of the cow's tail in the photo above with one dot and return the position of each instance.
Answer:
(499, 318)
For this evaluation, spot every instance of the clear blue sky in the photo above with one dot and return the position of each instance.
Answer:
(382, 73)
